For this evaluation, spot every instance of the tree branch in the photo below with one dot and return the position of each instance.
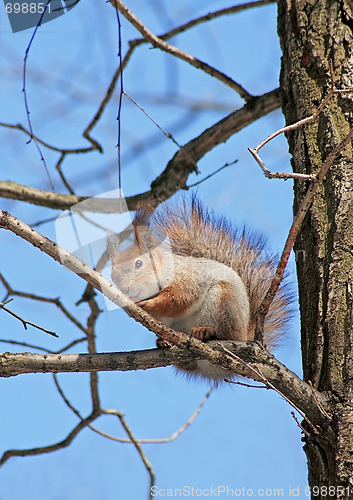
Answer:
(53, 447)
(25, 322)
(294, 230)
(176, 172)
(180, 54)
(65, 151)
(57, 302)
(171, 179)
(207, 17)
(287, 382)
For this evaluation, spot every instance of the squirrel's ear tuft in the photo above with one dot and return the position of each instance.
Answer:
(144, 239)
(113, 242)
(143, 214)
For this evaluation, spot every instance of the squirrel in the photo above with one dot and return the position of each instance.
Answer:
(196, 274)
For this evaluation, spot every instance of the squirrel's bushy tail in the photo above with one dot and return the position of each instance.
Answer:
(194, 231)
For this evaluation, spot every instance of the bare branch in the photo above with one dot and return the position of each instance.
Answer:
(25, 322)
(279, 175)
(91, 323)
(269, 384)
(18, 126)
(135, 442)
(13, 364)
(53, 447)
(56, 301)
(26, 344)
(252, 353)
(207, 17)
(170, 49)
(293, 232)
(294, 126)
(226, 165)
(287, 382)
(176, 173)
(53, 200)
(171, 179)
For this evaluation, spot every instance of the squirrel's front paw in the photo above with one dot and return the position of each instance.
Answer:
(203, 333)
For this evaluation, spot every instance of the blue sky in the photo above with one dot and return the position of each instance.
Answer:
(243, 437)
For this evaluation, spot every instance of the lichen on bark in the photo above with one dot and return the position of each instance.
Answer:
(312, 34)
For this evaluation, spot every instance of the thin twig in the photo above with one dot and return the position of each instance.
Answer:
(18, 126)
(135, 442)
(61, 173)
(24, 90)
(70, 345)
(293, 232)
(279, 175)
(287, 128)
(24, 321)
(26, 344)
(243, 384)
(121, 91)
(319, 405)
(263, 379)
(167, 134)
(53, 447)
(108, 95)
(44, 221)
(299, 425)
(57, 302)
(67, 402)
(293, 126)
(169, 439)
(91, 342)
(212, 174)
(207, 17)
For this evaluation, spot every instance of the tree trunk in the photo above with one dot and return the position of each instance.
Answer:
(313, 33)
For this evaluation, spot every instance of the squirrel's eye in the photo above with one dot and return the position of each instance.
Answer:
(138, 264)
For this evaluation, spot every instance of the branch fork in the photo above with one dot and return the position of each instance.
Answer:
(316, 180)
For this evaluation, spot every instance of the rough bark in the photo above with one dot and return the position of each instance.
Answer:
(173, 177)
(313, 32)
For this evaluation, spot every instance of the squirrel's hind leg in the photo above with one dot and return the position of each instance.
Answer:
(204, 333)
